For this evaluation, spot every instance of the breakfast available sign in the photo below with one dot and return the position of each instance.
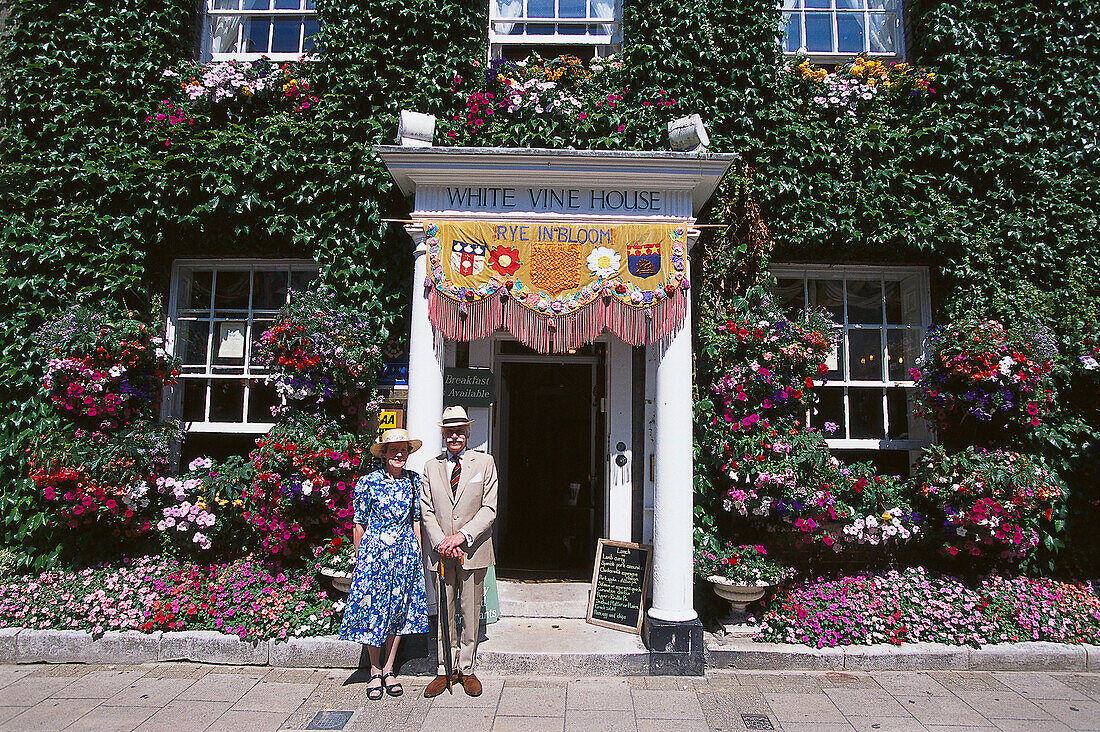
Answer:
(556, 286)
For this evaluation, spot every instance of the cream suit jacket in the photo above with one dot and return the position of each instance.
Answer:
(472, 508)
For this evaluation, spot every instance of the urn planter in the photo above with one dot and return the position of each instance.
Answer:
(341, 581)
(738, 595)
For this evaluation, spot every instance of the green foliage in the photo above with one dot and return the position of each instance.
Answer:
(992, 181)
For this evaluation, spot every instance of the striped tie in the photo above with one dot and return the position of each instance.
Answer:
(455, 474)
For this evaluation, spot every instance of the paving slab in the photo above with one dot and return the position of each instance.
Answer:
(235, 721)
(30, 690)
(469, 719)
(51, 714)
(1002, 705)
(1037, 685)
(865, 703)
(942, 710)
(1077, 714)
(529, 724)
(909, 683)
(532, 702)
(672, 725)
(651, 704)
(112, 719)
(11, 674)
(804, 708)
(274, 696)
(1031, 725)
(147, 692)
(606, 694)
(102, 683)
(880, 724)
(584, 720)
(7, 713)
(184, 716)
(228, 687)
(818, 727)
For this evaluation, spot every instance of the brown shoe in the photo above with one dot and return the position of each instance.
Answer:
(438, 685)
(471, 685)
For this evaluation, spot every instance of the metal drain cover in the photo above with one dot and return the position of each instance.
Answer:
(757, 721)
(330, 719)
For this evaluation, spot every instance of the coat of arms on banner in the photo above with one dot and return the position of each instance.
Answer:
(643, 260)
(467, 259)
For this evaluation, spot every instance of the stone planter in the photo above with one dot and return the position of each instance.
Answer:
(738, 596)
(341, 581)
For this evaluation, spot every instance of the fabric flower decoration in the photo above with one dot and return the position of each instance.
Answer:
(604, 261)
(504, 260)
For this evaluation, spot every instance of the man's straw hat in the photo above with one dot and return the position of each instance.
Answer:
(454, 417)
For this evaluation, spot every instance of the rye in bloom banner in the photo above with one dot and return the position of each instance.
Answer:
(556, 286)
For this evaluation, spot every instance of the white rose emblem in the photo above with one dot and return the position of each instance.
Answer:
(604, 261)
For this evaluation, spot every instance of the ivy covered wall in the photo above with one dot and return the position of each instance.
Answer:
(992, 180)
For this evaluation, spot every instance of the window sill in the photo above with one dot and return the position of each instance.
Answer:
(250, 428)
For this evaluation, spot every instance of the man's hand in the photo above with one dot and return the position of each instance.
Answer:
(451, 547)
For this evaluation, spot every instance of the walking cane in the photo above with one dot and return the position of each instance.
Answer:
(445, 627)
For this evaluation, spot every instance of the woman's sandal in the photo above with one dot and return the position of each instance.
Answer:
(372, 689)
(393, 689)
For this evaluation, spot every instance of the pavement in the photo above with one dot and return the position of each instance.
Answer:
(186, 696)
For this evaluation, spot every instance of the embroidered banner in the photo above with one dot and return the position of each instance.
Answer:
(556, 286)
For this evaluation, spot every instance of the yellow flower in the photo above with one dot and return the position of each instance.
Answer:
(886, 516)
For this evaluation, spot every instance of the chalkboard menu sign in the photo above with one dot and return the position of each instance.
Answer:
(619, 583)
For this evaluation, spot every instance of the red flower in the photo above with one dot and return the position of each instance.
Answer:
(504, 260)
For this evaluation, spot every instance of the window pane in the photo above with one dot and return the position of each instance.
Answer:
(270, 289)
(256, 4)
(835, 358)
(191, 337)
(261, 398)
(819, 32)
(572, 8)
(300, 279)
(865, 301)
(194, 400)
(817, 4)
(540, 8)
(232, 290)
(828, 294)
(790, 296)
(903, 347)
(829, 409)
(849, 32)
(258, 328)
(897, 405)
(903, 302)
(195, 290)
(850, 4)
(865, 355)
(865, 408)
(284, 36)
(226, 5)
(792, 38)
(255, 34)
(312, 27)
(883, 32)
(287, 4)
(229, 343)
(227, 400)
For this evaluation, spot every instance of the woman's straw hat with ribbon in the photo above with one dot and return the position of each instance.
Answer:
(394, 435)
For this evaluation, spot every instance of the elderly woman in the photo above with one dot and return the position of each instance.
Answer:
(386, 599)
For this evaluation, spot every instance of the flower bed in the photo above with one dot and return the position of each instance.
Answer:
(916, 606)
(252, 600)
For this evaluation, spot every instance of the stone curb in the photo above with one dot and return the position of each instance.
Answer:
(23, 645)
(744, 654)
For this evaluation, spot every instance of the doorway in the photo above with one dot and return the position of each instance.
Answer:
(551, 431)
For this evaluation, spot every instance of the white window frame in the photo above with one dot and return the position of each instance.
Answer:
(174, 397)
(919, 435)
(798, 14)
(602, 44)
(213, 14)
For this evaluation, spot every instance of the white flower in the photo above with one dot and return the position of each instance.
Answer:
(604, 261)
(1089, 363)
(307, 487)
(1006, 364)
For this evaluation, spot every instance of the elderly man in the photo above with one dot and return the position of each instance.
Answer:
(458, 500)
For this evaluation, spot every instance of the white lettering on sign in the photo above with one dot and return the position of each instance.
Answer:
(563, 200)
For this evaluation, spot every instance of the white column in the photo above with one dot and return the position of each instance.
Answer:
(425, 402)
(673, 497)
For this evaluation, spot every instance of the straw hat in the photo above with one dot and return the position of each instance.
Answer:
(394, 435)
(454, 416)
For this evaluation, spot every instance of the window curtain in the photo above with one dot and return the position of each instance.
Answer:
(605, 9)
(507, 9)
(223, 33)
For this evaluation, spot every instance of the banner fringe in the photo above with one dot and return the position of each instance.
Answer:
(551, 333)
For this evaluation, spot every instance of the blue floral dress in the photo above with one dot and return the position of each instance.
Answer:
(387, 594)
